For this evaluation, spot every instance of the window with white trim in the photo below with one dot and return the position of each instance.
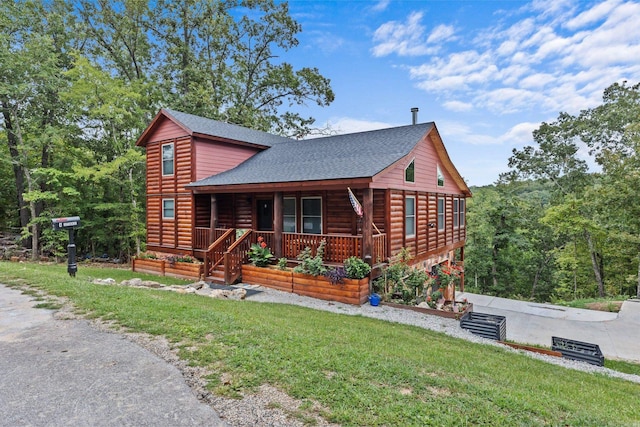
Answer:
(441, 213)
(168, 209)
(410, 216)
(440, 177)
(167, 159)
(410, 171)
(462, 212)
(289, 215)
(312, 215)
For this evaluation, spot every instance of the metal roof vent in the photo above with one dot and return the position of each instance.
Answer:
(414, 115)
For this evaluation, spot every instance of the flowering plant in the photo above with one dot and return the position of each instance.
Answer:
(259, 254)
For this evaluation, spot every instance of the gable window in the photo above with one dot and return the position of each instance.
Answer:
(410, 216)
(168, 209)
(409, 172)
(289, 215)
(312, 215)
(167, 159)
(456, 213)
(440, 213)
(440, 177)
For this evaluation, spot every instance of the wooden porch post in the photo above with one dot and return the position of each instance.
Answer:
(367, 225)
(278, 223)
(213, 221)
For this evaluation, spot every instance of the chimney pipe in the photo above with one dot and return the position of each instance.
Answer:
(414, 115)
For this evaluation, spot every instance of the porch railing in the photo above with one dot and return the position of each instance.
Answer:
(338, 248)
(235, 256)
(231, 251)
(201, 236)
(215, 254)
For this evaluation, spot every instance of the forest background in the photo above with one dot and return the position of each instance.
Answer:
(79, 81)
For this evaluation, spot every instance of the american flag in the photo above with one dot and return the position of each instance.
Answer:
(357, 207)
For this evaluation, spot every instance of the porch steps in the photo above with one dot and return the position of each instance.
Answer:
(218, 276)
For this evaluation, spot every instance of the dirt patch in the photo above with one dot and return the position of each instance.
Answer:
(611, 306)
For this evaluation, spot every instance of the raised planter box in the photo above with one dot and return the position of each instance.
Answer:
(269, 277)
(352, 291)
(184, 270)
(485, 325)
(578, 350)
(431, 311)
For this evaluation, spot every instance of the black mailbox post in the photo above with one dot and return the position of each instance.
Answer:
(70, 223)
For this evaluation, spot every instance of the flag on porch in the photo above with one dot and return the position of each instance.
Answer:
(357, 207)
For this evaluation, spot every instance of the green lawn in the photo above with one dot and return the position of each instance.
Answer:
(362, 371)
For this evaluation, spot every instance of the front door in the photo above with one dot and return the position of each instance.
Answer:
(265, 214)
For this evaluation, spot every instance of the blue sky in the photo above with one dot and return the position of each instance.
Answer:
(486, 72)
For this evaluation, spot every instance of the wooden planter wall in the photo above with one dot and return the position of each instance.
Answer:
(352, 291)
(184, 270)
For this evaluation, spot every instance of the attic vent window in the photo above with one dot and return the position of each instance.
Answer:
(440, 177)
(409, 172)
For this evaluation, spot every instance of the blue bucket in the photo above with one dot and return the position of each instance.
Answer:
(374, 300)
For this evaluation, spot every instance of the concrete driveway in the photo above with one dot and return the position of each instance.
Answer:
(617, 334)
(66, 373)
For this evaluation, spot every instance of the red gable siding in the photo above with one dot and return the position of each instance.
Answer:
(165, 129)
(426, 163)
(212, 157)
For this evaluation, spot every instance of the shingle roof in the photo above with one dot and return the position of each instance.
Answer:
(202, 125)
(357, 155)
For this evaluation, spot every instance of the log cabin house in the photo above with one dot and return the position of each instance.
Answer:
(207, 179)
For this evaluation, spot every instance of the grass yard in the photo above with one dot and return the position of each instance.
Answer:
(361, 371)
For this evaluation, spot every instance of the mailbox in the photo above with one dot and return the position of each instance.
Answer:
(65, 223)
(69, 224)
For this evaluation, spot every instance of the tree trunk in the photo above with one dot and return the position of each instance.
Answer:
(596, 265)
(18, 170)
(494, 270)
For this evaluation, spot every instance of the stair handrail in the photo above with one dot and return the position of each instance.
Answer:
(235, 256)
(217, 247)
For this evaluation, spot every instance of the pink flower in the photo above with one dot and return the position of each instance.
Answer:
(263, 245)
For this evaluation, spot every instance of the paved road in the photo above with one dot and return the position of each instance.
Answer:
(617, 334)
(66, 373)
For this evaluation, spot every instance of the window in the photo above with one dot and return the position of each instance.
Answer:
(167, 159)
(409, 172)
(440, 177)
(312, 215)
(462, 212)
(289, 215)
(441, 213)
(168, 209)
(456, 213)
(410, 216)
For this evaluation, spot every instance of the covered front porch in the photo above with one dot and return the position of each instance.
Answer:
(224, 257)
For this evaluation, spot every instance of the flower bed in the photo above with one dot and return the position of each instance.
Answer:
(163, 267)
(446, 311)
(350, 291)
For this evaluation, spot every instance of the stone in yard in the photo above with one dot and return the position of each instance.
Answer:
(199, 285)
(132, 282)
(235, 294)
(108, 281)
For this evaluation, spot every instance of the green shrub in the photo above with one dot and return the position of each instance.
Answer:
(356, 268)
(313, 265)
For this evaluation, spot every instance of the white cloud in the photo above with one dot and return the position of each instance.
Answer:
(457, 106)
(404, 39)
(520, 134)
(381, 5)
(441, 33)
(343, 125)
(558, 58)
